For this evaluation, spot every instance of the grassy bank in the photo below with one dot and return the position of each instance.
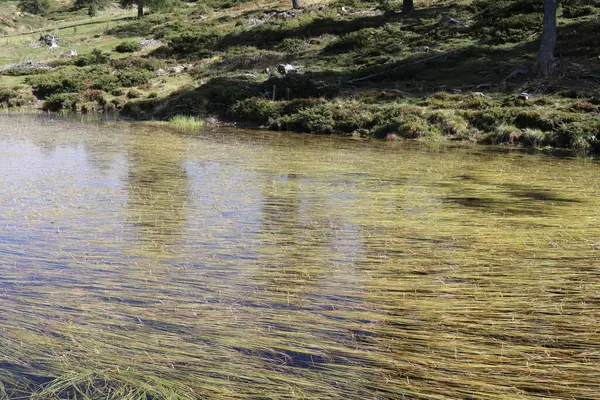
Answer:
(452, 70)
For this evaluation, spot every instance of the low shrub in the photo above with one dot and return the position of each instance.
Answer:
(183, 102)
(578, 135)
(295, 105)
(534, 119)
(96, 95)
(488, 120)
(576, 9)
(147, 63)
(521, 22)
(351, 118)
(76, 80)
(534, 138)
(203, 9)
(504, 134)
(65, 80)
(134, 93)
(291, 45)
(134, 77)
(469, 101)
(104, 81)
(508, 20)
(15, 97)
(221, 93)
(222, 4)
(62, 102)
(448, 122)
(37, 7)
(544, 120)
(247, 61)
(408, 126)
(388, 7)
(356, 40)
(95, 57)
(585, 107)
(141, 27)
(490, 11)
(295, 86)
(474, 102)
(194, 44)
(129, 46)
(349, 3)
(255, 109)
(440, 100)
(6, 95)
(20, 71)
(139, 109)
(317, 119)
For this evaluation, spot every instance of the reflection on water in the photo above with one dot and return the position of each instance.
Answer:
(136, 262)
(156, 190)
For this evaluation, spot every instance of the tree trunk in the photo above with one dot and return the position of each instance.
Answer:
(408, 6)
(295, 4)
(140, 9)
(546, 63)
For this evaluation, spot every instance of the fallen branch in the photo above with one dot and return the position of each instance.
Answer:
(589, 76)
(446, 20)
(412, 64)
(517, 72)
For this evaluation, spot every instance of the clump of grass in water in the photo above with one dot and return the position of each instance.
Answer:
(88, 385)
(186, 122)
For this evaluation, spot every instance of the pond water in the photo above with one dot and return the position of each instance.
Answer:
(139, 262)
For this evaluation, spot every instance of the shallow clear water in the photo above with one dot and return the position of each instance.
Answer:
(231, 264)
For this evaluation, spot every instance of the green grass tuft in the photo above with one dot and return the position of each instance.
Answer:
(186, 122)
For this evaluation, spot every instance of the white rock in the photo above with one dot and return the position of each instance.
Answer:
(285, 69)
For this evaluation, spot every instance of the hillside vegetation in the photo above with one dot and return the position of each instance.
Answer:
(457, 70)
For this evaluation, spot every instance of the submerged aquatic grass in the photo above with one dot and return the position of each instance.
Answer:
(138, 263)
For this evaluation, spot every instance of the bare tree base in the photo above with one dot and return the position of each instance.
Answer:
(546, 67)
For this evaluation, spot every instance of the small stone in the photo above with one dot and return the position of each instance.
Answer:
(49, 40)
(286, 69)
(524, 96)
(446, 20)
(150, 42)
(175, 70)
